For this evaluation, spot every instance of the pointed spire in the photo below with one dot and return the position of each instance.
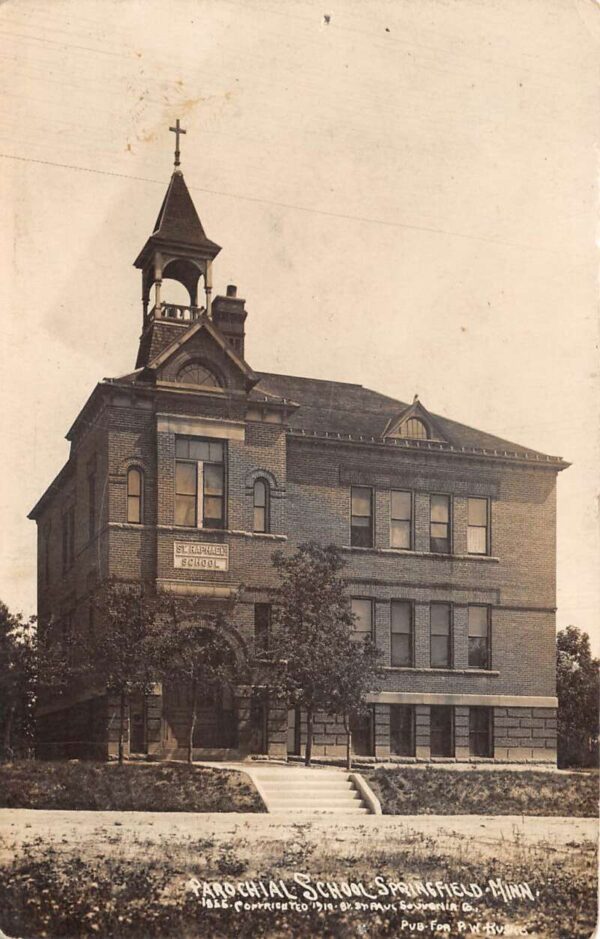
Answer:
(178, 219)
(178, 228)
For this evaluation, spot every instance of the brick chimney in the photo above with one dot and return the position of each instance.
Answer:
(229, 316)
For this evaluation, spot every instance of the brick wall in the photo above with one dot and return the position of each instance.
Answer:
(517, 580)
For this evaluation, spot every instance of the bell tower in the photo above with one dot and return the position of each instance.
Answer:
(177, 250)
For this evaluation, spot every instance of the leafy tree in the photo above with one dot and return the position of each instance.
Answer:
(578, 688)
(320, 666)
(18, 667)
(353, 670)
(120, 649)
(190, 649)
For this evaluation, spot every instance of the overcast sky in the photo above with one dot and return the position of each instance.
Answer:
(405, 195)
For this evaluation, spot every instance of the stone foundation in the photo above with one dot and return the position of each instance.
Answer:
(90, 730)
(525, 734)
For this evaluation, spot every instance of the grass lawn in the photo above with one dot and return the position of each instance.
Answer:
(435, 791)
(134, 787)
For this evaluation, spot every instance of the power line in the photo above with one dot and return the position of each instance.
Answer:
(282, 205)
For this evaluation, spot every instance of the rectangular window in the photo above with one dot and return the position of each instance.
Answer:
(478, 529)
(441, 730)
(402, 633)
(91, 505)
(439, 525)
(199, 483)
(361, 728)
(361, 532)
(400, 519)
(402, 730)
(363, 613)
(479, 637)
(441, 635)
(480, 732)
(262, 626)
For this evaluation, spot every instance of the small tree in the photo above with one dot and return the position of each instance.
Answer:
(578, 688)
(190, 648)
(321, 668)
(353, 671)
(18, 669)
(120, 648)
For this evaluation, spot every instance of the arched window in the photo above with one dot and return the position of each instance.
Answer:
(415, 428)
(261, 505)
(135, 495)
(197, 374)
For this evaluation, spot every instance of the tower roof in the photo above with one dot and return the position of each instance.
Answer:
(178, 224)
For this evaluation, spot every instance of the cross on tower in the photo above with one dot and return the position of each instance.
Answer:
(177, 130)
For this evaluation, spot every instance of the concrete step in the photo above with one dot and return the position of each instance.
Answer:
(317, 778)
(305, 786)
(329, 806)
(312, 795)
(299, 808)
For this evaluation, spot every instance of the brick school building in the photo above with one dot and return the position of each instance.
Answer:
(193, 468)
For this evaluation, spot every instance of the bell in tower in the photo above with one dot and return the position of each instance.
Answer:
(177, 250)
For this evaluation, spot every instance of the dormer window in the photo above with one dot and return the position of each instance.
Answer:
(415, 423)
(197, 374)
(415, 429)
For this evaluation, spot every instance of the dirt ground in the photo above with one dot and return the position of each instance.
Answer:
(131, 834)
(65, 869)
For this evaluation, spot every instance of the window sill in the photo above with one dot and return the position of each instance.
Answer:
(404, 552)
(235, 532)
(136, 526)
(442, 671)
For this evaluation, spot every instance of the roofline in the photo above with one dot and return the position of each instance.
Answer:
(528, 454)
(95, 391)
(534, 460)
(56, 483)
(207, 248)
(323, 381)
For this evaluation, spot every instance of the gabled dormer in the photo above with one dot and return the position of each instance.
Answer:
(415, 423)
(201, 358)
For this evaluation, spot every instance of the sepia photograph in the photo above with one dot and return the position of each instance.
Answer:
(299, 541)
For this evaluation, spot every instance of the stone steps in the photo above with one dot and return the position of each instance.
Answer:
(291, 790)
